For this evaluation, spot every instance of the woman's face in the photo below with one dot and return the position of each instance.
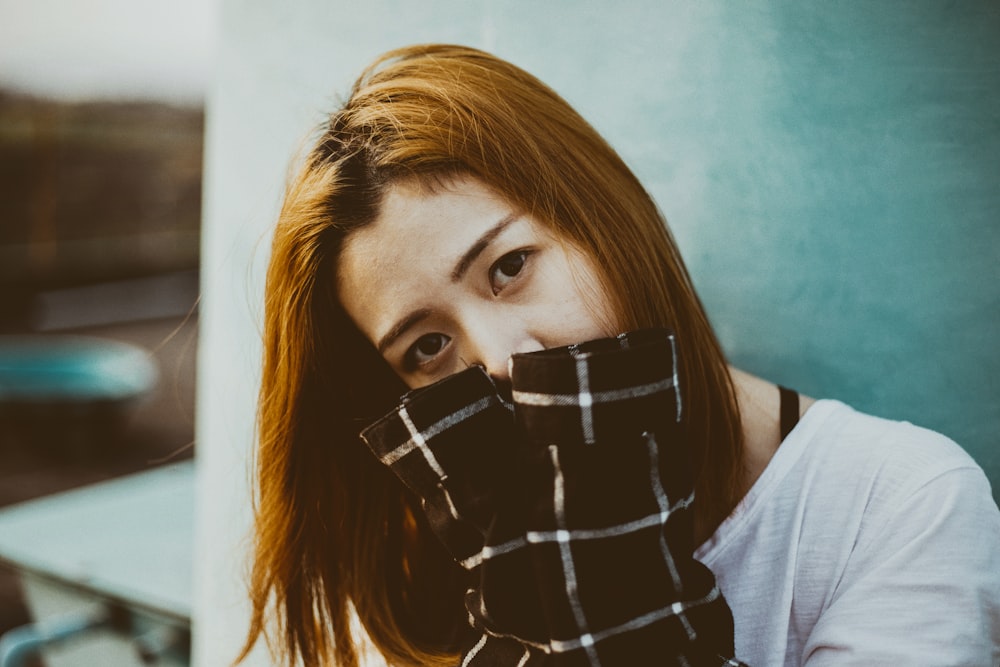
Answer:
(455, 275)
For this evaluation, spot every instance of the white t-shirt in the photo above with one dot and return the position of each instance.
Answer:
(864, 542)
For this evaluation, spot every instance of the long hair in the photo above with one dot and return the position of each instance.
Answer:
(334, 528)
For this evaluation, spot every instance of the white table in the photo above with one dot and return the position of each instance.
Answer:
(124, 545)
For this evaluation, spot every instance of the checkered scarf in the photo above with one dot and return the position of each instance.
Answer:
(571, 508)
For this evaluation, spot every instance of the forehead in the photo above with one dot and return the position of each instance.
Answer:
(415, 217)
(418, 226)
(420, 231)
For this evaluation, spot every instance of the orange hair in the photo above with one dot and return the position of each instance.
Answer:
(335, 528)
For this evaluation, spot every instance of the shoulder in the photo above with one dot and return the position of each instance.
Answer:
(892, 459)
(875, 490)
(912, 476)
(878, 471)
(860, 530)
(841, 473)
(924, 545)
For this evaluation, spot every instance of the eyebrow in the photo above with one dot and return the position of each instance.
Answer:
(461, 267)
(477, 248)
(401, 326)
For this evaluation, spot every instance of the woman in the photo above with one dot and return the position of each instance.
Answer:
(456, 212)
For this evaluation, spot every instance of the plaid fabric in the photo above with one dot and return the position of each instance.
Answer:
(573, 514)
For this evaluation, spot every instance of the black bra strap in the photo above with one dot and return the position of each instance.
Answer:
(789, 410)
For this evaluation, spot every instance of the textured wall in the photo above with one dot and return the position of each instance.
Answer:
(830, 172)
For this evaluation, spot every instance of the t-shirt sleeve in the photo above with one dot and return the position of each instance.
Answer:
(922, 584)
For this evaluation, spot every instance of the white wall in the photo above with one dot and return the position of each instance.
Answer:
(89, 49)
(829, 175)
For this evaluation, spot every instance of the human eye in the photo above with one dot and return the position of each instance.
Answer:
(506, 269)
(424, 350)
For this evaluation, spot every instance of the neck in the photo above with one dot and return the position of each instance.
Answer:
(760, 410)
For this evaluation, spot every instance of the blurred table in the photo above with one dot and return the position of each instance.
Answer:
(121, 550)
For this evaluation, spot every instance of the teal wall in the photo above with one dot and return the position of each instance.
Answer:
(832, 173)
(858, 254)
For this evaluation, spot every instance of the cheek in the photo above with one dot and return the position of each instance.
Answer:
(592, 317)
(579, 307)
(590, 293)
(598, 305)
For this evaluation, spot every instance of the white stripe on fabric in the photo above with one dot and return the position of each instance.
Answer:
(542, 537)
(664, 503)
(421, 444)
(676, 381)
(636, 623)
(524, 658)
(569, 571)
(471, 619)
(435, 429)
(586, 401)
(538, 537)
(447, 497)
(544, 648)
(599, 397)
(474, 651)
(493, 551)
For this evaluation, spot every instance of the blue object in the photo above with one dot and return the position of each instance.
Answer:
(70, 369)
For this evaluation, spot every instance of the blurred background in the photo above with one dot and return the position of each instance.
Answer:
(101, 139)
(828, 170)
